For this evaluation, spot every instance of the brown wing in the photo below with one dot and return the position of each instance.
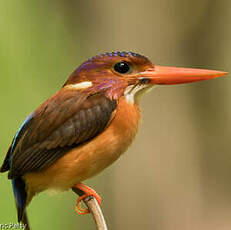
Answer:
(60, 124)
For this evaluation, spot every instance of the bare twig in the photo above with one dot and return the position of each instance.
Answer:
(95, 210)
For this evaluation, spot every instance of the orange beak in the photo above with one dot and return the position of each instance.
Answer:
(165, 75)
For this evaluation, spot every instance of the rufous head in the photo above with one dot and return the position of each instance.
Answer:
(127, 73)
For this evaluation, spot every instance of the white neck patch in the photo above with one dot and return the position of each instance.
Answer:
(132, 93)
(81, 85)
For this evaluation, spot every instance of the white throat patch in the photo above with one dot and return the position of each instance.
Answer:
(132, 93)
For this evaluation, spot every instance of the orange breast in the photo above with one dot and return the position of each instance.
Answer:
(92, 157)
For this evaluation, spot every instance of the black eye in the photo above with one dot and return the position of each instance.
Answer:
(122, 67)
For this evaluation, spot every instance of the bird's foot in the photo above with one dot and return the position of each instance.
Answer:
(87, 193)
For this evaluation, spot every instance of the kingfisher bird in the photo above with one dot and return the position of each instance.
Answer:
(86, 125)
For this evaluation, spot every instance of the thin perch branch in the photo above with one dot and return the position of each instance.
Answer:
(94, 208)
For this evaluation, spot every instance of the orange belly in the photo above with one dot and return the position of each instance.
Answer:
(92, 157)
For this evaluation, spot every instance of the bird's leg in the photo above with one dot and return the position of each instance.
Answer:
(87, 192)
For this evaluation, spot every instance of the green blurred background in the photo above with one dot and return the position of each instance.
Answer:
(177, 173)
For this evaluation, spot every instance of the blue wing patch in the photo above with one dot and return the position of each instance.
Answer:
(6, 164)
(20, 131)
(17, 183)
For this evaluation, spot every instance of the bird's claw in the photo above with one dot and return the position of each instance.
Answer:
(88, 192)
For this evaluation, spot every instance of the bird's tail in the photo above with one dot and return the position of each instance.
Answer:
(25, 221)
(20, 195)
